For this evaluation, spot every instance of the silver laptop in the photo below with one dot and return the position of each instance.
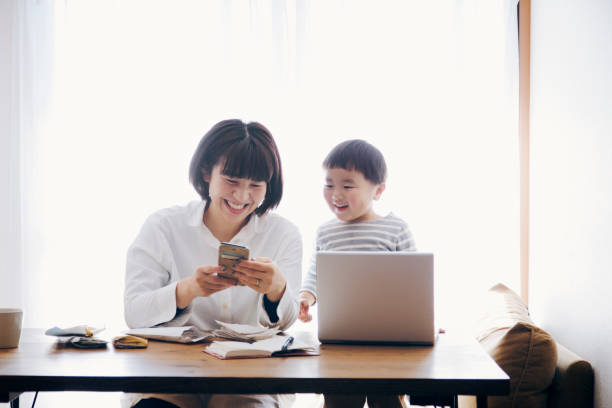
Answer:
(375, 297)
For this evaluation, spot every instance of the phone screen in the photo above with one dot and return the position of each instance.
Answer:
(229, 254)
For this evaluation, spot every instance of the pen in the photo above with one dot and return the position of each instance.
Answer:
(287, 343)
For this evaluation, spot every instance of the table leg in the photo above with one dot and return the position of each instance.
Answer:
(481, 401)
(451, 401)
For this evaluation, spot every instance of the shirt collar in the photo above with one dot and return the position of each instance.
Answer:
(196, 216)
(196, 213)
(248, 231)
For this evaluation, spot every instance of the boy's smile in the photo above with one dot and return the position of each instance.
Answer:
(340, 207)
(350, 195)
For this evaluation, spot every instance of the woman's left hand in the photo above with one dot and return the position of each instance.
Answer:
(261, 275)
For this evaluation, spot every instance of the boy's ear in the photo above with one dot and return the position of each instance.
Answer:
(379, 190)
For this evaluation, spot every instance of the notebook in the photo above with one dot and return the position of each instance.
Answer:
(375, 297)
(296, 344)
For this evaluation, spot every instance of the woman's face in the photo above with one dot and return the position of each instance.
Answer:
(231, 198)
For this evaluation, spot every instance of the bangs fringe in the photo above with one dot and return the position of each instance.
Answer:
(247, 159)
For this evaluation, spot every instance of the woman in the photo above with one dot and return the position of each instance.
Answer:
(172, 271)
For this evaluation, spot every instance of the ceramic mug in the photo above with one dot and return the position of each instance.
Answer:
(10, 327)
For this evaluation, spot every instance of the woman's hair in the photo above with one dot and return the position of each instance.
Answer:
(358, 155)
(246, 150)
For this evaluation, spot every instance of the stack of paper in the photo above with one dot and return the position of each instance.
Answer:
(82, 330)
(244, 332)
(180, 334)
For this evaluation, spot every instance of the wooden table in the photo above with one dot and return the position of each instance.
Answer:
(453, 366)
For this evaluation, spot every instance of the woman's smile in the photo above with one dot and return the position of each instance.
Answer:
(235, 208)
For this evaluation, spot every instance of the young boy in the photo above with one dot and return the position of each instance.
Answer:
(356, 173)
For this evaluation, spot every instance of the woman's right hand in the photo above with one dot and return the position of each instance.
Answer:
(204, 282)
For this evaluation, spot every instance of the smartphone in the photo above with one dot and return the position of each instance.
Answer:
(228, 255)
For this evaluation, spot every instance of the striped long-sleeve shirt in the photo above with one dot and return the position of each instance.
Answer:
(389, 233)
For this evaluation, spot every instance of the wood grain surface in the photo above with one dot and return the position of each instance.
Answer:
(453, 366)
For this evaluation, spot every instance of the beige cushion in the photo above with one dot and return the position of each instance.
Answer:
(525, 352)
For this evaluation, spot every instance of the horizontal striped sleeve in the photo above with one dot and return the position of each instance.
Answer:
(309, 284)
(404, 238)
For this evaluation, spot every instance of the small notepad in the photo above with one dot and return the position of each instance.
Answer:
(129, 342)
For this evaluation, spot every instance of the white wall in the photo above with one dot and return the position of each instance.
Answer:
(571, 190)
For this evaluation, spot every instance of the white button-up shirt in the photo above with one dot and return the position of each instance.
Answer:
(174, 242)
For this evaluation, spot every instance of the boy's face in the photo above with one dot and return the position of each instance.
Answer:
(350, 195)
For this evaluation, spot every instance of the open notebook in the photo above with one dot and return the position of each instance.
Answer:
(296, 344)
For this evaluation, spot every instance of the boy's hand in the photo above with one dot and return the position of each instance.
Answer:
(306, 299)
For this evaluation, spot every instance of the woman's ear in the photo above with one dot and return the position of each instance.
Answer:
(379, 190)
(205, 176)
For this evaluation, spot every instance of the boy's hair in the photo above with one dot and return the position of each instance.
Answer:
(358, 155)
(246, 150)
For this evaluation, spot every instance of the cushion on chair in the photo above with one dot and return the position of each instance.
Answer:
(524, 351)
(573, 383)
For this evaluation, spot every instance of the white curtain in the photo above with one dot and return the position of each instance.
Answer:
(26, 109)
(110, 99)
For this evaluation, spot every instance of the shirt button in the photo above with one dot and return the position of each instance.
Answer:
(225, 306)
